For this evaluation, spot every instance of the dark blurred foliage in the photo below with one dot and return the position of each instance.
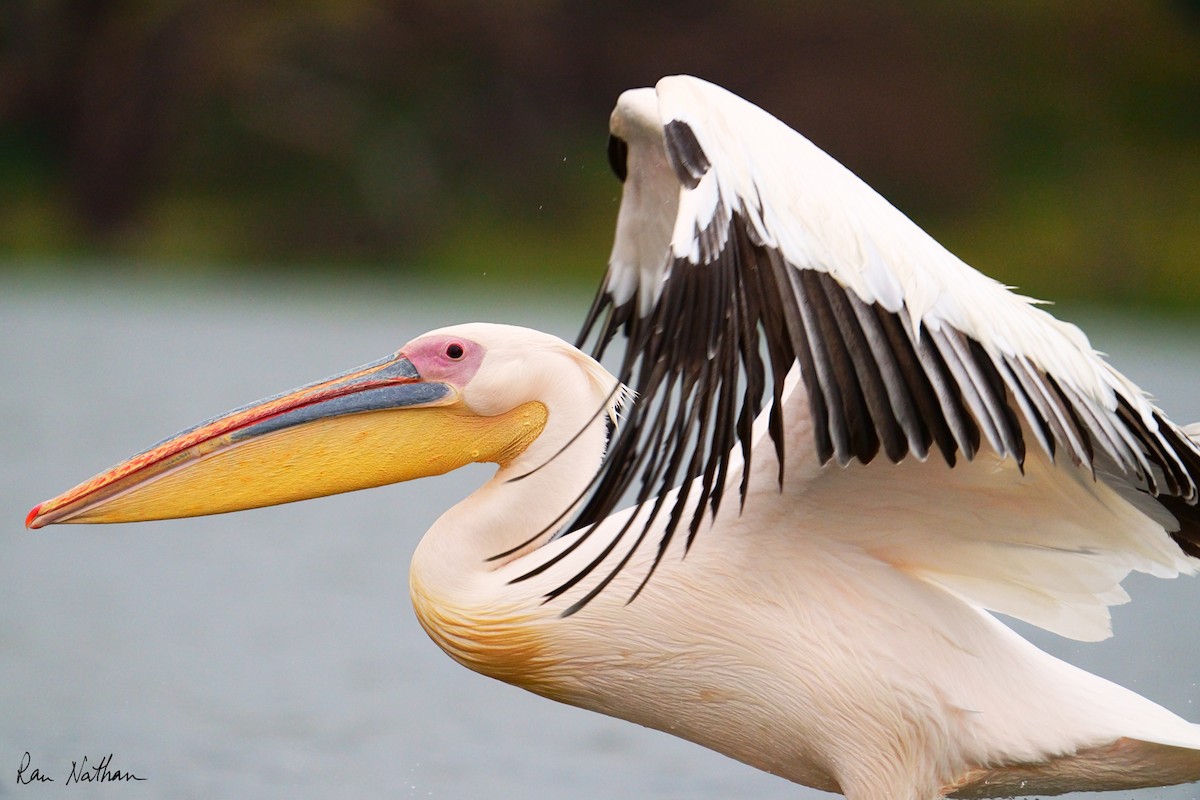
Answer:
(1054, 144)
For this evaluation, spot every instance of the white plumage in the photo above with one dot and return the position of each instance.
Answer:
(1045, 533)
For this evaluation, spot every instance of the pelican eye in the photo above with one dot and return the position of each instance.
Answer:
(454, 351)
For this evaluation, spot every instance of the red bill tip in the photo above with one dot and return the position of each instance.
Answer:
(32, 514)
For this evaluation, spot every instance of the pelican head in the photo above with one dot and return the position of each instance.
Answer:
(458, 395)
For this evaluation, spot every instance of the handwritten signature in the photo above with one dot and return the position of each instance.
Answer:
(81, 772)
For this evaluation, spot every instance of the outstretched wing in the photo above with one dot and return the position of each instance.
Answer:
(742, 250)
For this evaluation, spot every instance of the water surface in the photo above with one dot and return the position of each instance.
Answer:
(273, 653)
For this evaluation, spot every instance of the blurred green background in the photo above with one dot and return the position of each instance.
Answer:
(1052, 144)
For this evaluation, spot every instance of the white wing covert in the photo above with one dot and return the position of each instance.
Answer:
(742, 249)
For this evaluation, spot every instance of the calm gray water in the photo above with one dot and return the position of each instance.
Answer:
(273, 653)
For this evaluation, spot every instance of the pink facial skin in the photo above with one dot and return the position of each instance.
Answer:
(448, 359)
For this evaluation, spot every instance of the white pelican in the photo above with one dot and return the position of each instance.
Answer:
(861, 445)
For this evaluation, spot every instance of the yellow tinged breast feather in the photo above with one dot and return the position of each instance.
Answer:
(505, 644)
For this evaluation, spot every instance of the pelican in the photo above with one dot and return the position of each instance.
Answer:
(830, 452)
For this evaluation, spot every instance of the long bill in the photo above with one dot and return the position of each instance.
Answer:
(375, 425)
